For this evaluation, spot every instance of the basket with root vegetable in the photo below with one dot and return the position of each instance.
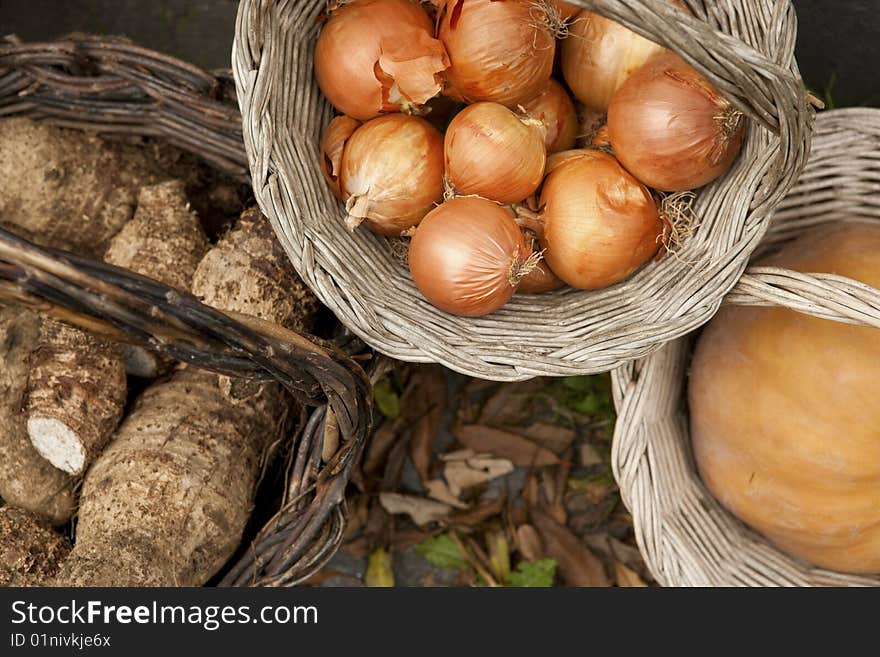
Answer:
(520, 187)
(751, 454)
(155, 376)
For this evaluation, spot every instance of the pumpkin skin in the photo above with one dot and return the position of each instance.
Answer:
(785, 413)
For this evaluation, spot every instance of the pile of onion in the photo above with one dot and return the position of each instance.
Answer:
(498, 51)
(456, 134)
(376, 56)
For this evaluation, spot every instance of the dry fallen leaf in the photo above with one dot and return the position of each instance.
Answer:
(578, 566)
(504, 444)
(421, 510)
(379, 572)
(626, 577)
(529, 543)
(480, 513)
(380, 444)
(429, 401)
(589, 455)
(554, 437)
(462, 474)
(439, 490)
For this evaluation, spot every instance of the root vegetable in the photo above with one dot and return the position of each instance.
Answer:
(491, 152)
(499, 51)
(27, 480)
(30, 551)
(165, 242)
(77, 387)
(166, 503)
(76, 395)
(65, 188)
(671, 128)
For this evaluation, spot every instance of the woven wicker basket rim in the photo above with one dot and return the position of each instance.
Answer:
(745, 47)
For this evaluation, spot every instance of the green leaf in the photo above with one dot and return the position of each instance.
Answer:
(443, 552)
(587, 395)
(534, 573)
(386, 399)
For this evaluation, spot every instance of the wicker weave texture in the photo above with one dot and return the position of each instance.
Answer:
(745, 47)
(686, 537)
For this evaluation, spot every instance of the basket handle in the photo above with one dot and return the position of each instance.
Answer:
(826, 296)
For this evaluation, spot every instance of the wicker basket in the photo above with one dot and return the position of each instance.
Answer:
(744, 46)
(686, 537)
(110, 85)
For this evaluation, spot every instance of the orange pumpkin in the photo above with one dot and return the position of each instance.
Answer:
(785, 413)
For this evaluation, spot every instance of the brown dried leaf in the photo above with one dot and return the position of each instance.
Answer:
(511, 404)
(528, 542)
(553, 437)
(462, 474)
(478, 514)
(577, 565)
(421, 510)
(507, 445)
(589, 455)
(380, 444)
(626, 577)
(430, 402)
(438, 490)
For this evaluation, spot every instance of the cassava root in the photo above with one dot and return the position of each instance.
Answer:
(30, 551)
(27, 480)
(167, 501)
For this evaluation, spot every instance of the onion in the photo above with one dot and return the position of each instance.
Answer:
(566, 10)
(332, 144)
(599, 223)
(492, 152)
(541, 279)
(554, 109)
(500, 51)
(376, 56)
(599, 55)
(468, 255)
(555, 160)
(392, 173)
(671, 128)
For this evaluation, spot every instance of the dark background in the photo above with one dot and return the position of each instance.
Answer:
(839, 40)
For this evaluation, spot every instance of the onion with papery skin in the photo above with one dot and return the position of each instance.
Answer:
(566, 10)
(599, 55)
(392, 173)
(468, 255)
(671, 128)
(599, 223)
(554, 109)
(499, 50)
(333, 143)
(376, 56)
(491, 152)
(556, 159)
(540, 280)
